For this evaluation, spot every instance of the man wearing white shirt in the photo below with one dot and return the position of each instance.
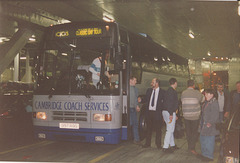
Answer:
(154, 100)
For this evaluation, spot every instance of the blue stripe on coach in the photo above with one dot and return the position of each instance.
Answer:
(111, 136)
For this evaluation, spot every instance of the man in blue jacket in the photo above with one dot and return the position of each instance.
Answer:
(134, 108)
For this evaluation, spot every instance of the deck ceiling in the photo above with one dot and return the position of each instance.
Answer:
(215, 24)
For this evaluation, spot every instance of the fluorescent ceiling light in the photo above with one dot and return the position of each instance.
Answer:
(191, 34)
(209, 54)
(163, 45)
(32, 39)
(63, 21)
(73, 45)
(143, 34)
(4, 39)
(108, 18)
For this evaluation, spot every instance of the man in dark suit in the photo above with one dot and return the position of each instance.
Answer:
(235, 98)
(154, 99)
(223, 101)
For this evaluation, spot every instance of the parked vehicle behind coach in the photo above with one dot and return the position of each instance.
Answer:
(229, 151)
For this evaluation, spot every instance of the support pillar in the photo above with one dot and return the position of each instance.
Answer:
(199, 73)
(28, 73)
(16, 68)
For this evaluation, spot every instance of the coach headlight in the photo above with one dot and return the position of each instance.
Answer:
(41, 115)
(102, 117)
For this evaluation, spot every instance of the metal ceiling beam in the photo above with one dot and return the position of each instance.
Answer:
(29, 14)
(9, 50)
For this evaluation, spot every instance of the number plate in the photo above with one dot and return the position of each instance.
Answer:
(69, 125)
(99, 138)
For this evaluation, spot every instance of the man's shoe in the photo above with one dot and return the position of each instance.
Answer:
(194, 152)
(167, 150)
(204, 159)
(137, 142)
(174, 147)
(159, 147)
(146, 146)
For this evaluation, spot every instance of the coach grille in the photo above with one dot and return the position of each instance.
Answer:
(69, 116)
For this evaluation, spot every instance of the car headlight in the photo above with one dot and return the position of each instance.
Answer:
(229, 159)
(41, 115)
(102, 117)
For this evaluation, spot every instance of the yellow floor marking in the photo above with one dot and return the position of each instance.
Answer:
(27, 146)
(105, 155)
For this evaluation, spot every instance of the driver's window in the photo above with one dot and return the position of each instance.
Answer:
(82, 77)
(63, 72)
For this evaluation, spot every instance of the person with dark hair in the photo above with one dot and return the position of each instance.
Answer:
(154, 99)
(95, 68)
(134, 108)
(223, 101)
(191, 100)
(208, 131)
(169, 116)
(235, 97)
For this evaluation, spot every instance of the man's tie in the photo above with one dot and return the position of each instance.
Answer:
(152, 104)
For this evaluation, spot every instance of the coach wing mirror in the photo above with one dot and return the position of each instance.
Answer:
(118, 61)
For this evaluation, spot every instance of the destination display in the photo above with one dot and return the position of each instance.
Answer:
(81, 32)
